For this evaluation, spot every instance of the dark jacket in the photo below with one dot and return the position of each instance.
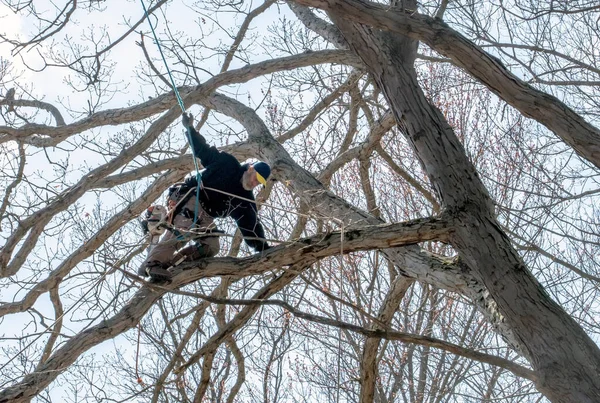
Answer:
(224, 172)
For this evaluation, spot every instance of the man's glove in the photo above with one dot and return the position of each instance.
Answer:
(187, 120)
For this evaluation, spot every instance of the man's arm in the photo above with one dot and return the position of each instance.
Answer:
(246, 217)
(206, 153)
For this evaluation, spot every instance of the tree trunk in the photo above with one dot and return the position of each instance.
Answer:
(566, 360)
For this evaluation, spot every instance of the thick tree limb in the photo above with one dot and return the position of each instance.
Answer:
(410, 261)
(295, 255)
(558, 349)
(327, 31)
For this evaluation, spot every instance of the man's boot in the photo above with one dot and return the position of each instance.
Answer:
(190, 253)
(156, 271)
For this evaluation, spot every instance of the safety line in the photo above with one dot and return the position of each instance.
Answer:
(179, 100)
(181, 105)
(336, 220)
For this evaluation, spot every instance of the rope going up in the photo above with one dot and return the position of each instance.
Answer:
(179, 100)
(181, 105)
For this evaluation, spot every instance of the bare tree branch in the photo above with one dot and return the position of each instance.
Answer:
(384, 333)
(544, 108)
(54, 135)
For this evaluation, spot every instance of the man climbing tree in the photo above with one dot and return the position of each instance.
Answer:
(225, 190)
(439, 201)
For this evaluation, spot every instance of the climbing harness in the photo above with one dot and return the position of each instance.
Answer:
(176, 194)
(181, 105)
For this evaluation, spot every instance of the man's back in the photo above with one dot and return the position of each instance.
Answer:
(222, 193)
(221, 187)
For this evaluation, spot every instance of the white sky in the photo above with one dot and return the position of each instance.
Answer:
(10, 25)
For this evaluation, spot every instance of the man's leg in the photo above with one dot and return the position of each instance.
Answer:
(164, 255)
(156, 264)
(202, 246)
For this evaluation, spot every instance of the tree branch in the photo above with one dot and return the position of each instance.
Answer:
(327, 31)
(411, 260)
(53, 110)
(388, 334)
(546, 109)
(51, 136)
(88, 248)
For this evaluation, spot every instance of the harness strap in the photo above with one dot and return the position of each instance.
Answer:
(178, 207)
